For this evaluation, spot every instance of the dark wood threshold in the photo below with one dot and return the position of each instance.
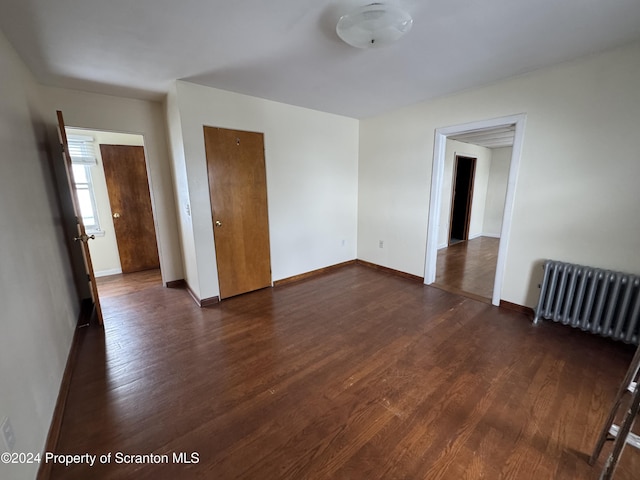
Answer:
(514, 307)
(391, 271)
(312, 273)
(87, 311)
(462, 293)
(181, 283)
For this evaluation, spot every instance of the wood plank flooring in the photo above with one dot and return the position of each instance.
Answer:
(355, 374)
(468, 267)
(124, 284)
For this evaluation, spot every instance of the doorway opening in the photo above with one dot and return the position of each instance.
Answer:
(116, 201)
(461, 198)
(472, 211)
(505, 131)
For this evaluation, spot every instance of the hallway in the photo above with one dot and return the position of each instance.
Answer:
(468, 267)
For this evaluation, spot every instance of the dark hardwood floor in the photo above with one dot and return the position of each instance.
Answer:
(468, 267)
(354, 374)
(127, 283)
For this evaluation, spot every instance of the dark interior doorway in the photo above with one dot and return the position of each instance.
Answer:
(464, 172)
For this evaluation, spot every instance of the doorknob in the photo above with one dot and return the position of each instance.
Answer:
(116, 215)
(84, 238)
(218, 223)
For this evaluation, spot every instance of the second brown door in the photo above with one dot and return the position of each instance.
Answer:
(238, 191)
(125, 171)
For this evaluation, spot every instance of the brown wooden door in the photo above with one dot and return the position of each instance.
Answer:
(125, 171)
(82, 238)
(238, 192)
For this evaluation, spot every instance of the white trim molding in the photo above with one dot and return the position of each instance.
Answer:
(439, 147)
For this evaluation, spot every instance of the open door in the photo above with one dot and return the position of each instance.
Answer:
(82, 236)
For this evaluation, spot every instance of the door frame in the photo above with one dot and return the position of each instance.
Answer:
(437, 177)
(149, 182)
(470, 189)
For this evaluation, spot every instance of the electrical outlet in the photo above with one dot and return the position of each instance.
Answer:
(8, 435)
(344, 242)
(381, 244)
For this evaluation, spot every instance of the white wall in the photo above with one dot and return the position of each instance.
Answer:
(37, 295)
(146, 118)
(480, 184)
(496, 191)
(104, 248)
(312, 179)
(576, 195)
(181, 189)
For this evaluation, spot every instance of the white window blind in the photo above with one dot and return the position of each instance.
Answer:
(82, 150)
(83, 158)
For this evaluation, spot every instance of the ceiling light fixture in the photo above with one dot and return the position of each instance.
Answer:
(373, 25)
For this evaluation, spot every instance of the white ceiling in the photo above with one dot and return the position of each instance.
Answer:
(488, 137)
(288, 51)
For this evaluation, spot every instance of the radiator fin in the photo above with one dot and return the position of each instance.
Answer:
(600, 301)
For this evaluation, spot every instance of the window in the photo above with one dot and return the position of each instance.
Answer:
(82, 152)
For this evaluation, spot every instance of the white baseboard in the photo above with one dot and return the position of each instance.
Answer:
(106, 273)
(442, 245)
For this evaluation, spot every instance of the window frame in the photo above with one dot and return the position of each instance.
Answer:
(83, 145)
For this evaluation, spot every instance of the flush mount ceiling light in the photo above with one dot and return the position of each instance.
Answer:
(373, 25)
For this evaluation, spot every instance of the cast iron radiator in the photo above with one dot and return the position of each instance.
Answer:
(595, 300)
